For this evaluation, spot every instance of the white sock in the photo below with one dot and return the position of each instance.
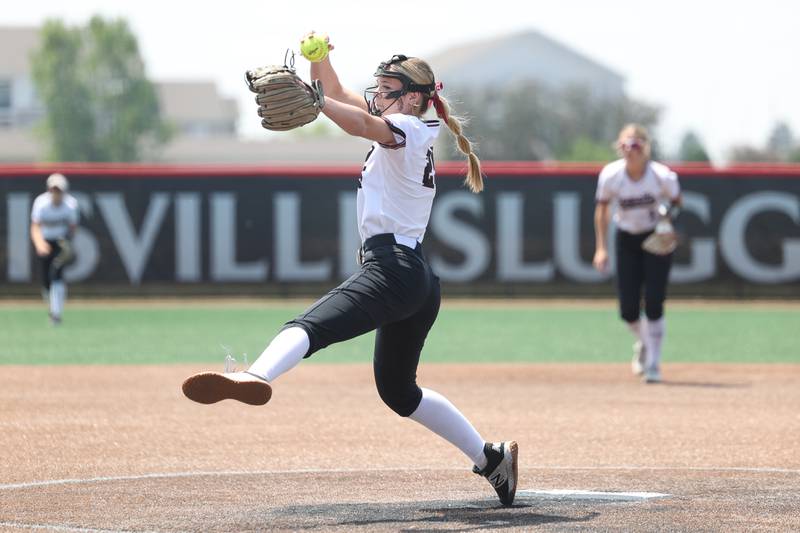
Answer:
(283, 353)
(58, 292)
(654, 339)
(436, 413)
(638, 329)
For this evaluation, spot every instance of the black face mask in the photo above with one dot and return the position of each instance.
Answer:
(371, 92)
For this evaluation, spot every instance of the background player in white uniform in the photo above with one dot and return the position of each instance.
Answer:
(395, 292)
(54, 218)
(638, 186)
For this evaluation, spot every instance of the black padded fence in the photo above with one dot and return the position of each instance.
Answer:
(150, 230)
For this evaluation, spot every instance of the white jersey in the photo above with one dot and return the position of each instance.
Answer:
(54, 220)
(397, 184)
(637, 201)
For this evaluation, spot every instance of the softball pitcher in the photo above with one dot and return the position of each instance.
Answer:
(54, 218)
(645, 192)
(395, 291)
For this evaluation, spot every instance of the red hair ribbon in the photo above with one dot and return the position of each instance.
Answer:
(437, 102)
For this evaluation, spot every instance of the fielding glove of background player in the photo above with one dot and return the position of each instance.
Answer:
(65, 255)
(284, 100)
(663, 240)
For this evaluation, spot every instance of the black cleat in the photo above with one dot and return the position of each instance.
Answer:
(501, 469)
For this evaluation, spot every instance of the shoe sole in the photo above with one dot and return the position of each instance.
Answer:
(512, 445)
(212, 387)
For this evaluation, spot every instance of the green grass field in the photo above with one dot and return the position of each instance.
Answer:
(195, 332)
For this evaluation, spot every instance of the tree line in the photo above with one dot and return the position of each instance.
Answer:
(100, 106)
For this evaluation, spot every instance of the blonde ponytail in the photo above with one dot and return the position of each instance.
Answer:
(420, 72)
(474, 179)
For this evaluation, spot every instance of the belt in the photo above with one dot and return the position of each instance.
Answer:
(387, 239)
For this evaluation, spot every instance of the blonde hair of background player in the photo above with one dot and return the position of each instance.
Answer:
(636, 131)
(420, 72)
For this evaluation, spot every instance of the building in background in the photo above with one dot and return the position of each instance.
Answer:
(196, 109)
(205, 121)
(524, 56)
(19, 107)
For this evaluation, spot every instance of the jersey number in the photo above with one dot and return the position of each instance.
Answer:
(430, 171)
(364, 168)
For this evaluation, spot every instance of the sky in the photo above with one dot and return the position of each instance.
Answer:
(726, 70)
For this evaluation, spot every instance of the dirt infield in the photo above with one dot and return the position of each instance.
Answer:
(119, 449)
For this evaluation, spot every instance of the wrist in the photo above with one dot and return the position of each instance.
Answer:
(669, 210)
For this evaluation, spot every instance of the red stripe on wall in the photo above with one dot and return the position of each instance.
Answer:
(520, 169)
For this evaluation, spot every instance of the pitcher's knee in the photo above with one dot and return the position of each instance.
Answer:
(402, 399)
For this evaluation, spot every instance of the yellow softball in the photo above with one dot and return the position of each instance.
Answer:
(314, 47)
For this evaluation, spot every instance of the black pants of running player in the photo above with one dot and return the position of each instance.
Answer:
(637, 268)
(51, 272)
(396, 293)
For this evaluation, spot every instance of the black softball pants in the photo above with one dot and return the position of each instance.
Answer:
(396, 293)
(51, 272)
(637, 268)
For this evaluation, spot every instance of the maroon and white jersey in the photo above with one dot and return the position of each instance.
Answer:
(397, 183)
(637, 200)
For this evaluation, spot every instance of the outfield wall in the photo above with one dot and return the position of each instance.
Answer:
(291, 230)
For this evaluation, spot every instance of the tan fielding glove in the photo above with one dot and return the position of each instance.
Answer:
(284, 100)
